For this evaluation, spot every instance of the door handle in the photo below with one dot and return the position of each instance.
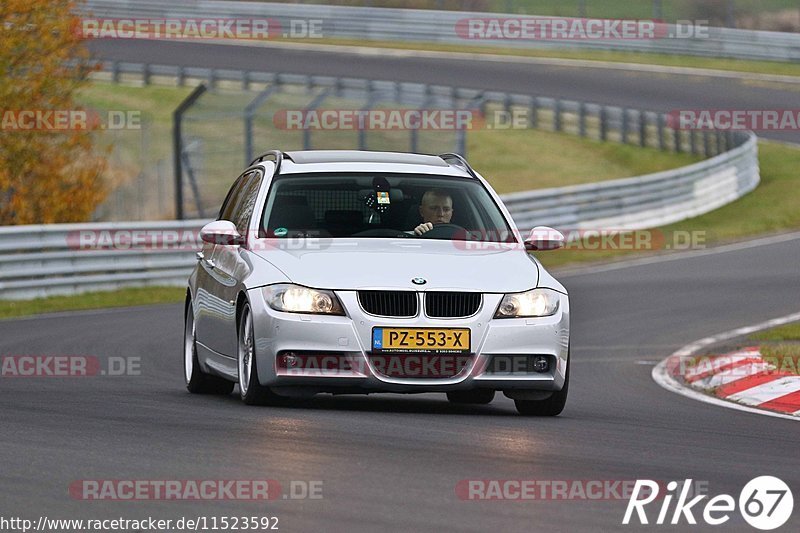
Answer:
(210, 263)
(199, 256)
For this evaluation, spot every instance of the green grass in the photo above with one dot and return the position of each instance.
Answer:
(770, 208)
(789, 332)
(519, 160)
(92, 300)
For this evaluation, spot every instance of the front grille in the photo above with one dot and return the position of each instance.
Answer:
(389, 303)
(452, 304)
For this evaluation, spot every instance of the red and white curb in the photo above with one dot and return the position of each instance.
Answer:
(741, 380)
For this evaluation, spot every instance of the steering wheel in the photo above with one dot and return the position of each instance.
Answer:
(442, 231)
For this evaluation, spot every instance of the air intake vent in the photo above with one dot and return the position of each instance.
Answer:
(452, 304)
(389, 303)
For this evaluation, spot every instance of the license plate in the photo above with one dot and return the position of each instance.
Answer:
(430, 340)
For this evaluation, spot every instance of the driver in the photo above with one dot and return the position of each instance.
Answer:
(436, 207)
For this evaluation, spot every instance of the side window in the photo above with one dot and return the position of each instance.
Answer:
(229, 205)
(247, 201)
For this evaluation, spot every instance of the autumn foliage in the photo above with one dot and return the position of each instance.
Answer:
(46, 175)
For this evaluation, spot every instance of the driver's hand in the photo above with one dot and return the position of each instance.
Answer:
(422, 228)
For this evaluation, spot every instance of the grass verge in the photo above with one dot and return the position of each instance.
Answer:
(92, 300)
(788, 332)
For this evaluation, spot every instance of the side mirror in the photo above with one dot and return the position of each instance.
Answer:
(221, 232)
(544, 238)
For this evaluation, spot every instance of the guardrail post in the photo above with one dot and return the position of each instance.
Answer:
(625, 126)
(212, 79)
(706, 144)
(678, 144)
(362, 133)
(693, 141)
(177, 145)
(426, 102)
(658, 13)
(603, 123)
(146, 74)
(245, 80)
(719, 136)
(642, 128)
(534, 111)
(115, 71)
(662, 143)
(181, 75)
(582, 119)
(557, 125)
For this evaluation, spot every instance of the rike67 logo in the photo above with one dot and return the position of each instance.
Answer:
(765, 503)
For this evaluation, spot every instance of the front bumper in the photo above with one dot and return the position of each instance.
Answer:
(350, 337)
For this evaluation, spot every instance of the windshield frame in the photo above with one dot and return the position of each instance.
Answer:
(260, 223)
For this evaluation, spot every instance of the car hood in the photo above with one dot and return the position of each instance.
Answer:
(353, 264)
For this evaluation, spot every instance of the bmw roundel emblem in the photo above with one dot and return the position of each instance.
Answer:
(419, 281)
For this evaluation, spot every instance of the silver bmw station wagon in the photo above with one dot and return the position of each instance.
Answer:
(359, 272)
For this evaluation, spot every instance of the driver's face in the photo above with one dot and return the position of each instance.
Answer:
(436, 209)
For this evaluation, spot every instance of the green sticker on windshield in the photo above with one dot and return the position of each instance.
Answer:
(281, 232)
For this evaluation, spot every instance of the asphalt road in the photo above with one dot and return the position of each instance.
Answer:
(650, 91)
(391, 463)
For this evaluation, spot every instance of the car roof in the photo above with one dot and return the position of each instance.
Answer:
(307, 161)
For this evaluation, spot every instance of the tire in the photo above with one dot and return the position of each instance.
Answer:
(475, 397)
(250, 390)
(197, 381)
(552, 406)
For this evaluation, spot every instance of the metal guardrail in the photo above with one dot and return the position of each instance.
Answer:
(49, 259)
(44, 260)
(417, 25)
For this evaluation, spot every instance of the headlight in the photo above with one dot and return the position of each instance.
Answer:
(536, 302)
(297, 299)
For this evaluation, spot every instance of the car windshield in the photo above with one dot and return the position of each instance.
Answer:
(385, 205)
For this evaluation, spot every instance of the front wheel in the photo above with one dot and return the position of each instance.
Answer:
(251, 390)
(552, 406)
(197, 381)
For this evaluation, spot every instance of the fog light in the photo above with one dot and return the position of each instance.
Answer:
(290, 360)
(540, 364)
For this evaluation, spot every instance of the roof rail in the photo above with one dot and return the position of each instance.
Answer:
(460, 162)
(277, 154)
